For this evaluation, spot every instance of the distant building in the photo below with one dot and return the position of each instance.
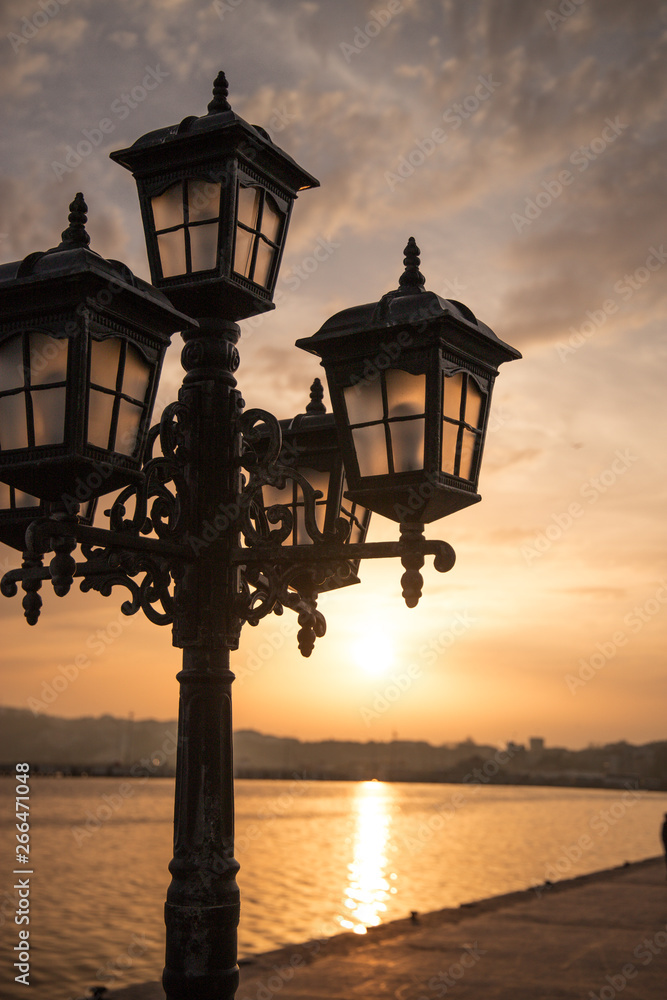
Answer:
(536, 744)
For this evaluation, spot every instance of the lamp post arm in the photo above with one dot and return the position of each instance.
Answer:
(281, 568)
(331, 552)
(43, 531)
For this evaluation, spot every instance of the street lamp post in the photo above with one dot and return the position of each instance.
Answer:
(223, 516)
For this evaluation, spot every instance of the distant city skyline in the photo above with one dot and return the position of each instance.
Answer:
(526, 154)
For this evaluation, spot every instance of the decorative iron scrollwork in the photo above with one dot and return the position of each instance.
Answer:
(145, 548)
(144, 544)
(270, 584)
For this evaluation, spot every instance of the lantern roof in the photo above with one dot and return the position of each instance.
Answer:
(410, 306)
(219, 132)
(49, 275)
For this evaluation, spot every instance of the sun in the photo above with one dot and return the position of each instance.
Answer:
(373, 653)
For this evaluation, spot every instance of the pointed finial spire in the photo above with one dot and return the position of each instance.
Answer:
(316, 404)
(75, 235)
(412, 280)
(220, 92)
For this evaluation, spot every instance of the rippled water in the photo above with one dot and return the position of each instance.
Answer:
(316, 857)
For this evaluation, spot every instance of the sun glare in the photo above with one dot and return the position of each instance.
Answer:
(373, 653)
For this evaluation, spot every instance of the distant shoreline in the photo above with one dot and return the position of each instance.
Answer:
(517, 781)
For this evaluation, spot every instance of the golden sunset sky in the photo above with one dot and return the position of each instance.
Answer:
(524, 147)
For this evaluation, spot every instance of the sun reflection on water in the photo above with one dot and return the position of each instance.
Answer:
(368, 878)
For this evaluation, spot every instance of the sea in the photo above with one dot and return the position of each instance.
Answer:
(317, 858)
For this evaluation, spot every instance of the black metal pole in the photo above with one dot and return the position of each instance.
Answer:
(202, 908)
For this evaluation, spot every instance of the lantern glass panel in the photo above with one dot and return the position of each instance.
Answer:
(371, 447)
(33, 379)
(129, 419)
(100, 416)
(407, 442)
(453, 391)
(114, 415)
(463, 415)
(168, 207)
(172, 253)
(48, 411)
(13, 422)
(243, 252)
(48, 359)
(265, 255)
(405, 393)
(364, 402)
(474, 400)
(204, 247)
(271, 219)
(136, 375)
(11, 364)
(390, 410)
(450, 437)
(248, 206)
(186, 219)
(259, 225)
(203, 201)
(104, 358)
(468, 442)
(406, 400)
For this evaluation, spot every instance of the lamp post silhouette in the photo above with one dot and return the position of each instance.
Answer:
(221, 516)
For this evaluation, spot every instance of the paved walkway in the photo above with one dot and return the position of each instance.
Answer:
(590, 938)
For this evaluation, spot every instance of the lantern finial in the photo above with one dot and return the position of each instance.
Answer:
(412, 280)
(220, 92)
(75, 235)
(316, 404)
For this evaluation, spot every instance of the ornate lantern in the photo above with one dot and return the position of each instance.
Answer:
(216, 196)
(410, 379)
(81, 347)
(310, 446)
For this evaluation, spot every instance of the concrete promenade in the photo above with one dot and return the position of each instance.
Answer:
(596, 937)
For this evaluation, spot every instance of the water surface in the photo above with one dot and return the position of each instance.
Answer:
(316, 858)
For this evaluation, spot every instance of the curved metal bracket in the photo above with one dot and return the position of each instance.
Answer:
(146, 544)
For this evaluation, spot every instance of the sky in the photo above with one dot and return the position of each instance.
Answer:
(524, 147)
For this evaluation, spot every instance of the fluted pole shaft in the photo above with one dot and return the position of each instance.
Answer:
(202, 908)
